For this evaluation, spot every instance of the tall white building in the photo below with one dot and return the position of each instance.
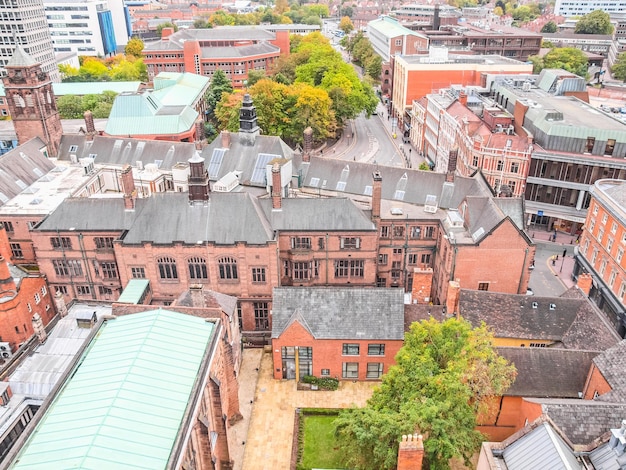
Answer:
(570, 8)
(25, 21)
(87, 27)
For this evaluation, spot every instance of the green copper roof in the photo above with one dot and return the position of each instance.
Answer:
(133, 291)
(123, 406)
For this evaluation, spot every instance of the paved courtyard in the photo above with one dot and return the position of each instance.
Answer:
(270, 430)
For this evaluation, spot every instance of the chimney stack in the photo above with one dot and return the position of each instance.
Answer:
(452, 298)
(463, 98)
(89, 125)
(59, 302)
(277, 187)
(377, 192)
(584, 283)
(452, 157)
(308, 145)
(39, 329)
(166, 33)
(199, 133)
(410, 452)
(197, 296)
(225, 135)
(128, 186)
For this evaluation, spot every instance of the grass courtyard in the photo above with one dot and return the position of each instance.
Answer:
(319, 442)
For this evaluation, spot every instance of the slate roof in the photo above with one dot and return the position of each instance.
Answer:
(20, 58)
(418, 312)
(123, 150)
(419, 184)
(317, 215)
(227, 219)
(91, 214)
(540, 448)
(582, 421)
(239, 51)
(212, 299)
(512, 207)
(572, 322)
(340, 313)
(236, 33)
(242, 158)
(21, 167)
(612, 365)
(548, 372)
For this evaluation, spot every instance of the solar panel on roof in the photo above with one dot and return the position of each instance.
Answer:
(258, 175)
(216, 162)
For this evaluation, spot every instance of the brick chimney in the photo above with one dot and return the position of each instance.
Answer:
(452, 157)
(452, 299)
(377, 193)
(308, 145)
(199, 133)
(410, 452)
(166, 33)
(463, 98)
(128, 186)
(90, 127)
(197, 296)
(277, 187)
(584, 283)
(59, 302)
(225, 135)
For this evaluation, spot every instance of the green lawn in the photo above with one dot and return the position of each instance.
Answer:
(319, 443)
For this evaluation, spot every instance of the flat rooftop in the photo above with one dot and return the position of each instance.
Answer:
(462, 59)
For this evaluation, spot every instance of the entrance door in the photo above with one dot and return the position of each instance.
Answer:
(289, 362)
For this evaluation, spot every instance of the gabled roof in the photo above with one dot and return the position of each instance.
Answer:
(21, 167)
(317, 214)
(572, 322)
(548, 372)
(123, 150)
(242, 158)
(191, 223)
(340, 313)
(540, 448)
(124, 404)
(612, 365)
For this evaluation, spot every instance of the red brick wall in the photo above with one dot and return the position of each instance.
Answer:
(596, 383)
(327, 353)
(282, 41)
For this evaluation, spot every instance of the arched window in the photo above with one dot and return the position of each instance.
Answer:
(167, 267)
(228, 267)
(197, 268)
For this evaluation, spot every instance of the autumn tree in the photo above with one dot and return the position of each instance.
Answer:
(226, 113)
(345, 25)
(596, 22)
(134, 47)
(445, 375)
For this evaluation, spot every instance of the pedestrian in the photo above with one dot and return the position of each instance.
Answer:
(553, 261)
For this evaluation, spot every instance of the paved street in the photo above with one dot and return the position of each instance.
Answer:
(549, 279)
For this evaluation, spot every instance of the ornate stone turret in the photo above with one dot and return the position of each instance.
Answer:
(248, 126)
(198, 180)
(31, 101)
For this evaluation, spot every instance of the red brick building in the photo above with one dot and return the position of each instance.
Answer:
(234, 49)
(350, 334)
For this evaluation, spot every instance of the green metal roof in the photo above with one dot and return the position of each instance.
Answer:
(123, 405)
(133, 291)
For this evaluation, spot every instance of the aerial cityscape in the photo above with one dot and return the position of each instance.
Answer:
(360, 235)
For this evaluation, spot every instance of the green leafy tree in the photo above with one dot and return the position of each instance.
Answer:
(219, 85)
(70, 107)
(374, 66)
(168, 24)
(619, 68)
(254, 76)
(201, 24)
(93, 70)
(446, 374)
(596, 22)
(347, 11)
(345, 25)
(566, 58)
(102, 110)
(226, 113)
(134, 47)
(549, 27)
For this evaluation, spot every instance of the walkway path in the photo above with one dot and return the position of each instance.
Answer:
(268, 446)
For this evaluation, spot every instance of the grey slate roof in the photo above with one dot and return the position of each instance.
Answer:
(121, 151)
(91, 214)
(548, 372)
(513, 207)
(241, 51)
(317, 215)
(21, 167)
(542, 448)
(227, 218)
(582, 421)
(212, 299)
(484, 213)
(20, 58)
(340, 313)
(243, 158)
(419, 184)
(176, 40)
(573, 322)
(612, 364)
